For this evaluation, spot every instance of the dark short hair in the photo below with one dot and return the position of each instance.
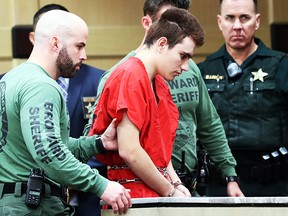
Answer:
(152, 7)
(45, 9)
(255, 5)
(175, 24)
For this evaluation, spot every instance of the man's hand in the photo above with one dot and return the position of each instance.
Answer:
(109, 137)
(233, 190)
(184, 190)
(118, 197)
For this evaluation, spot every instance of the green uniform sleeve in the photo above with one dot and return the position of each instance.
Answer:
(45, 128)
(83, 148)
(211, 133)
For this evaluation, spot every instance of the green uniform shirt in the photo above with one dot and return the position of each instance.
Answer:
(35, 133)
(198, 118)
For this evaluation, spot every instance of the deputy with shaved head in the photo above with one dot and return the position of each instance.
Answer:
(35, 128)
(65, 45)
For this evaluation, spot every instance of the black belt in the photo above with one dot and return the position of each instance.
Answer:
(9, 188)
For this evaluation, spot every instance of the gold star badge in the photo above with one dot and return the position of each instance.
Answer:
(259, 75)
(87, 105)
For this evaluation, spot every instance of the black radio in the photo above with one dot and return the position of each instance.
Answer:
(34, 188)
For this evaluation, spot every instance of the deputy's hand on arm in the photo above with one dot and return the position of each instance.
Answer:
(118, 197)
(109, 137)
(233, 190)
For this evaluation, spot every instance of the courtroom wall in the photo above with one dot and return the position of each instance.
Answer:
(115, 26)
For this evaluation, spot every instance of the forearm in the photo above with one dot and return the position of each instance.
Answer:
(131, 151)
(142, 166)
(73, 173)
(220, 153)
(212, 135)
(83, 148)
(172, 174)
(76, 175)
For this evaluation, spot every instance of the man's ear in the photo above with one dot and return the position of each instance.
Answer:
(162, 43)
(55, 43)
(219, 22)
(146, 22)
(257, 21)
(31, 37)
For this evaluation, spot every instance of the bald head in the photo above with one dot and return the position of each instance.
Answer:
(61, 24)
(59, 45)
(255, 2)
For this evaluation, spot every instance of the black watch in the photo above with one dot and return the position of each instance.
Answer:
(232, 179)
(100, 146)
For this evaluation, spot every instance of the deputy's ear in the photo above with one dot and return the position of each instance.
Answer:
(146, 22)
(219, 22)
(55, 43)
(257, 21)
(31, 37)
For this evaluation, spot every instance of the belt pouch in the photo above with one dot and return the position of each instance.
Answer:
(265, 169)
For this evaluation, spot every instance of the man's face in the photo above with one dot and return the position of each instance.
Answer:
(238, 22)
(72, 53)
(65, 65)
(174, 61)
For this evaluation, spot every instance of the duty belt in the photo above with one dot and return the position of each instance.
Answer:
(10, 188)
(134, 180)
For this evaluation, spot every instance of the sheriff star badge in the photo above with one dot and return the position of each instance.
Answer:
(259, 75)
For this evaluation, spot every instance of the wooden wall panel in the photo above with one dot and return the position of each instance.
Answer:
(5, 15)
(114, 27)
(5, 42)
(24, 11)
(6, 20)
(12, 12)
(104, 12)
(279, 11)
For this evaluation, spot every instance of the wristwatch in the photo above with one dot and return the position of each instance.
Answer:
(232, 179)
(100, 146)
